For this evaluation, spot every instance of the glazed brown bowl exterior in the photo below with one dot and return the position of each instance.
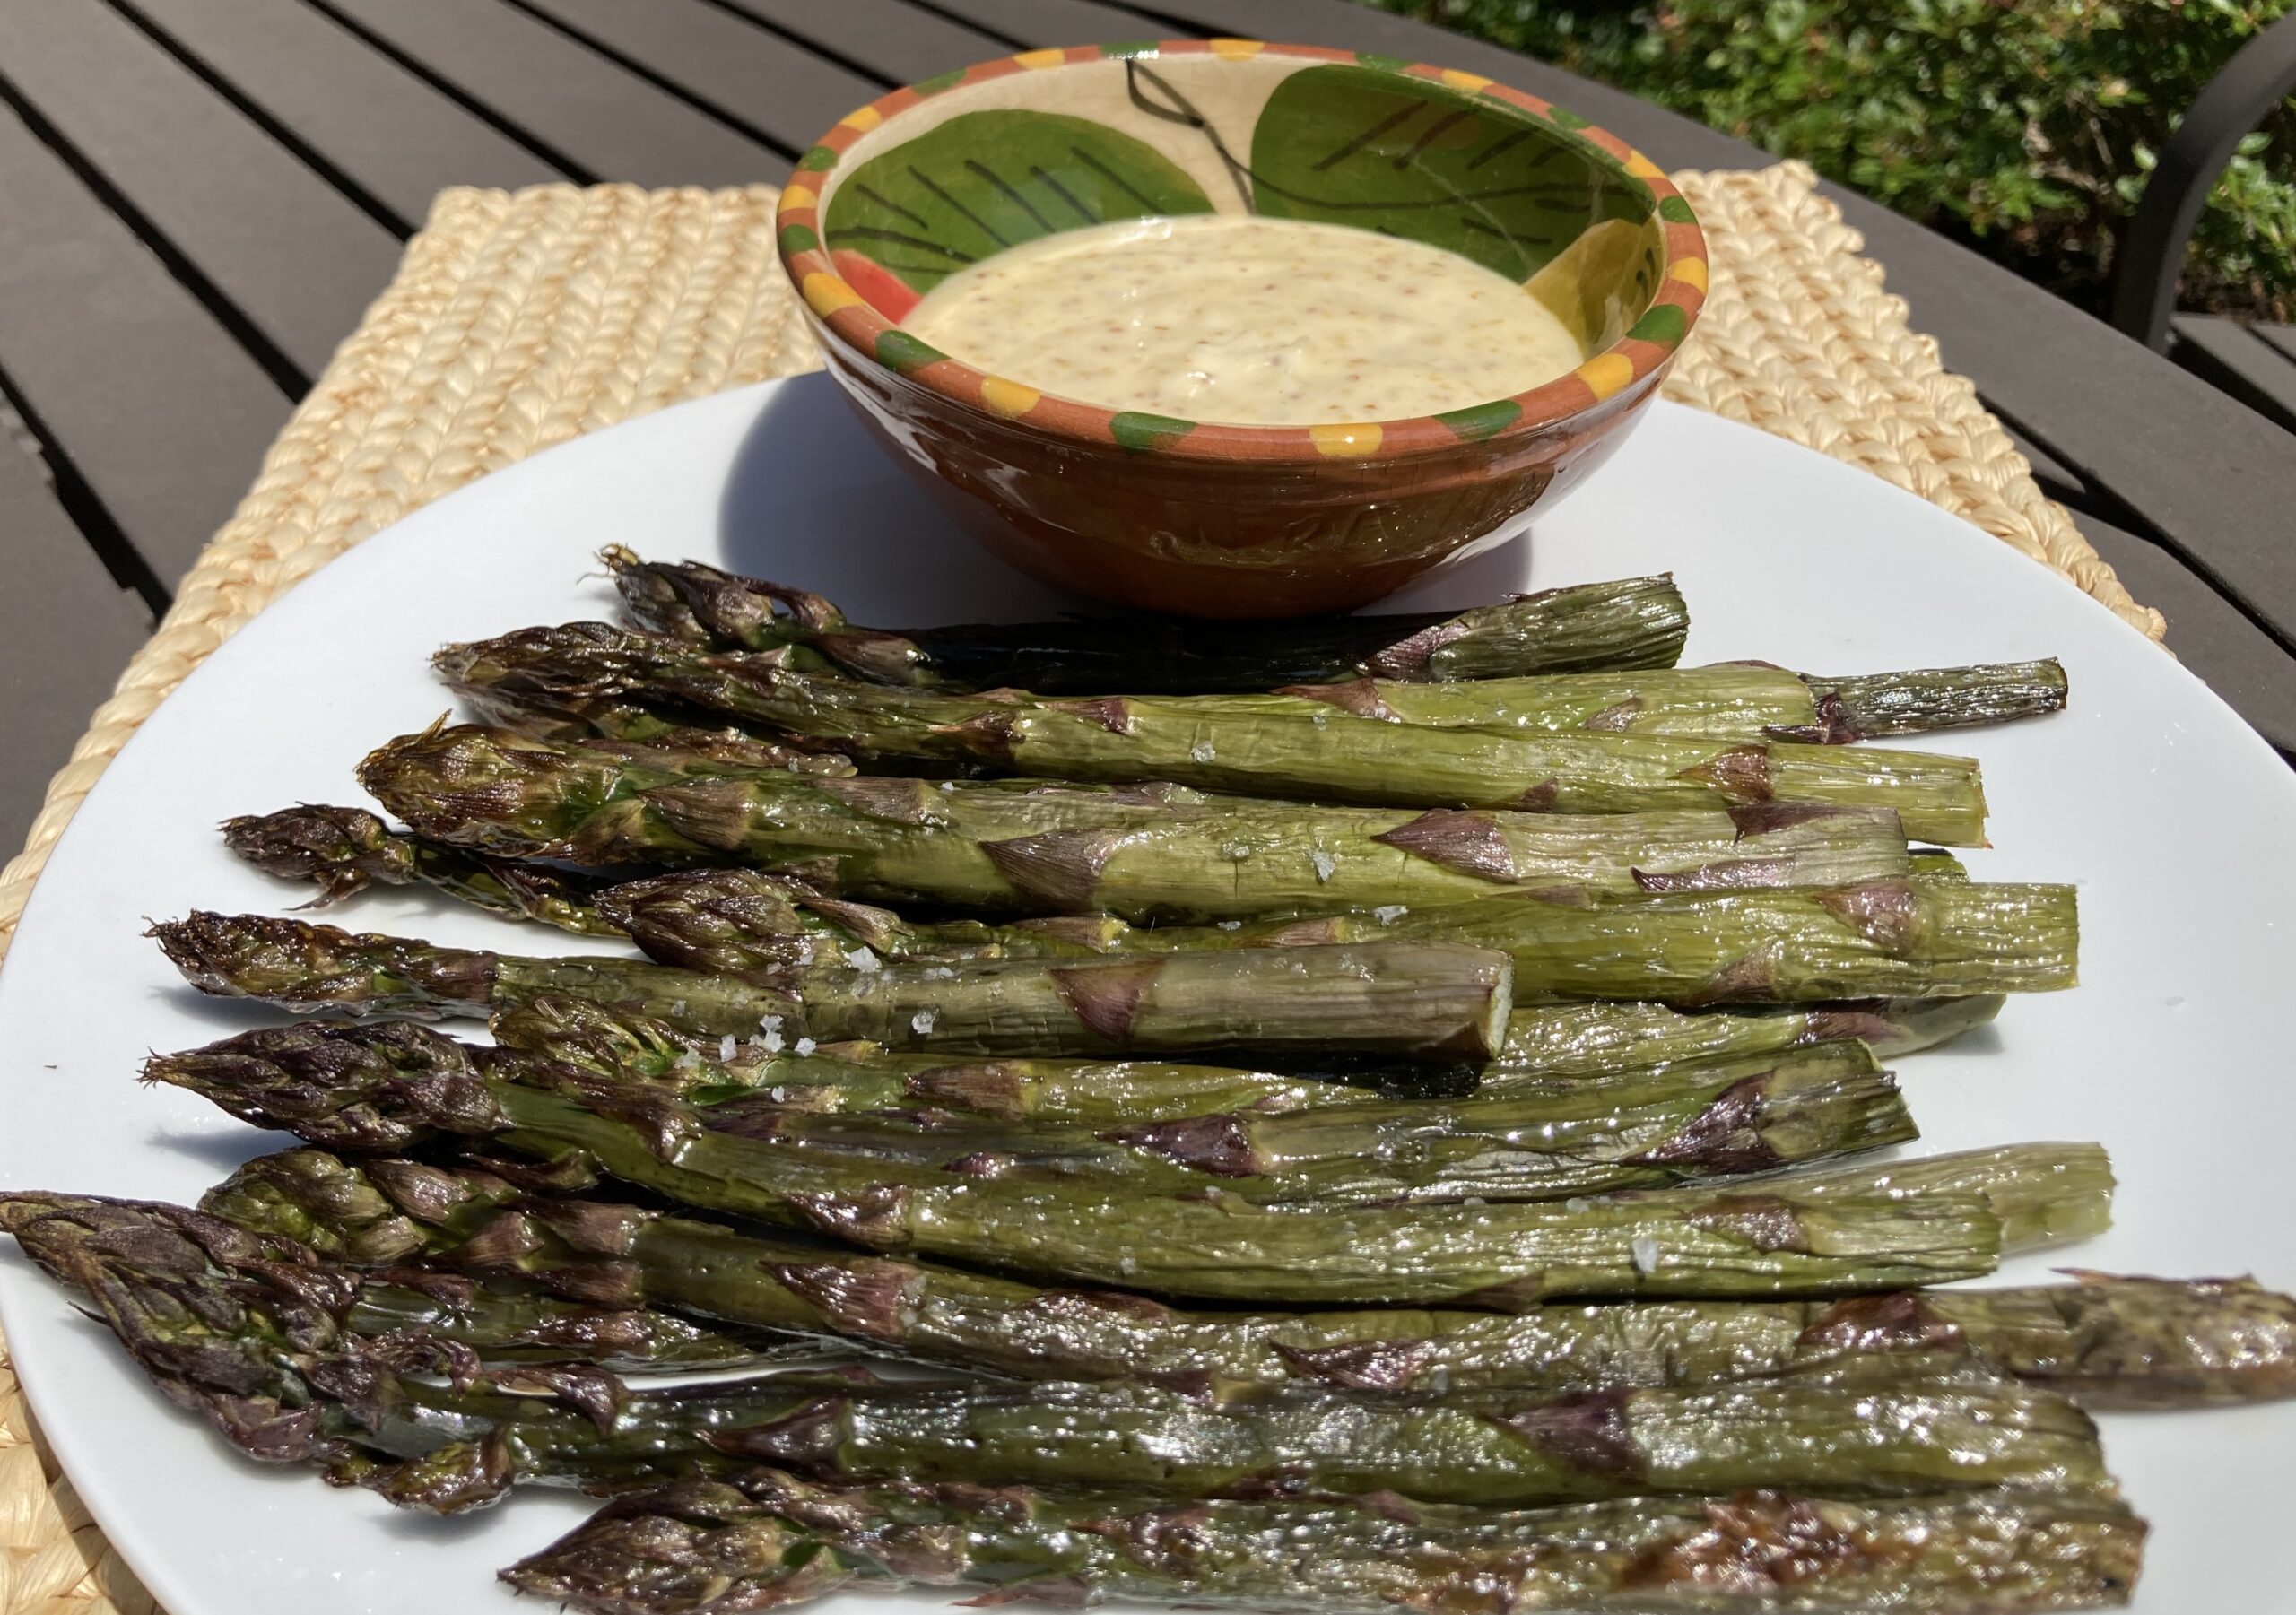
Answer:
(1204, 519)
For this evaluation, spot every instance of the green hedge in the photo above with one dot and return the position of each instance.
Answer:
(2025, 126)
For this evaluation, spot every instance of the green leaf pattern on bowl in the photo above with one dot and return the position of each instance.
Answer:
(984, 181)
(1354, 145)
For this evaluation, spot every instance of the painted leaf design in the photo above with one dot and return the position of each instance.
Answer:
(984, 181)
(1352, 146)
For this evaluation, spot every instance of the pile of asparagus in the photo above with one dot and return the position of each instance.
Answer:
(1374, 1115)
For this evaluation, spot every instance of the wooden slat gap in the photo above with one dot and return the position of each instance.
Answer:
(576, 172)
(310, 157)
(84, 506)
(283, 371)
(660, 81)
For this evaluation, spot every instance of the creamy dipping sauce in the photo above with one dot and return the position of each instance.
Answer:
(1251, 321)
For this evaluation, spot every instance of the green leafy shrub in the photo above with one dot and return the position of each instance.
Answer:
(2026, 127)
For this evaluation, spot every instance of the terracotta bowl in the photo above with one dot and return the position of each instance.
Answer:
(1197, 518)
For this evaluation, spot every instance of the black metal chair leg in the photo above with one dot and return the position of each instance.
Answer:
(2151, 253)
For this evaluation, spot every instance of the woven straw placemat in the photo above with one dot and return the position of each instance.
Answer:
(517, 321)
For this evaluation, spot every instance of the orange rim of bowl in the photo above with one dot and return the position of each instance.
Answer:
(1656, 335)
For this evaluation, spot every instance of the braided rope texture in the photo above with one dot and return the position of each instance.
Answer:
(519, 320)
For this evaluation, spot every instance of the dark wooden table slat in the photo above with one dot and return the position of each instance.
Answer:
(387, 129)
(2232, 655)
(65, 631)
(294, 258)
(887, 39)
(754, 77)
(2230, 356)
(611, 121)
(163, 413)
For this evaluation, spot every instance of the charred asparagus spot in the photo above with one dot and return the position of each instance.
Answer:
(1844, 1231)
(2109, 1342)
(253, 1365)
(1431, 1000)
(1254, 745)
(1146, 852)
(770, 1539)
(333, 1305)
(1634, 622)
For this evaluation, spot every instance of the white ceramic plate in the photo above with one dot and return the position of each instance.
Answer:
(2149, 793)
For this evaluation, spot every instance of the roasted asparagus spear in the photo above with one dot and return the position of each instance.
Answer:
(345, 850)
(2109, 1342)
(1547, 1047)
(1409, 1000)
(1634, 622)
(473, 1320)
(722, 920)
(389, 1087)
(1928, 936)
(1737, 701)
(245, 1361)
(1681, 1127)
(1686, 1124)
(1699, 950)
(769, 1539)
(1141, 852)
(1307, 750)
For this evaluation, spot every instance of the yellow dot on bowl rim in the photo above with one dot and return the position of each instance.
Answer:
(863, 118)
(1346, 441)
(1237, 50)
(1642, 168)
(1468, 81)
(1008, 398)
(1041, 60)
(795, 196)
(825, 294)
(1605, 373)
(1690, 271)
